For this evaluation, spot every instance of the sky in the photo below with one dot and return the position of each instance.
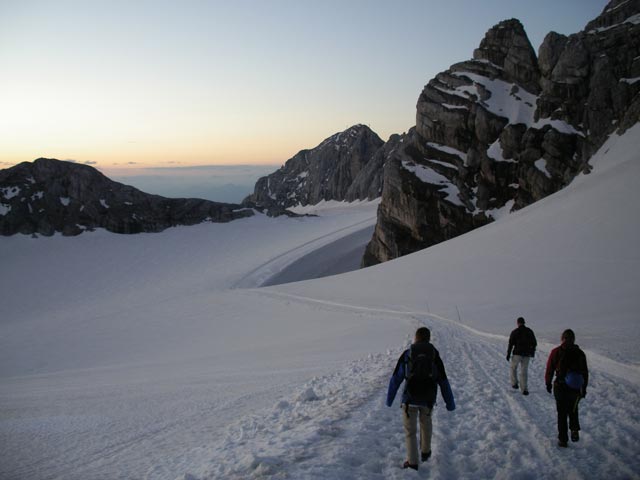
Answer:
(127, 85)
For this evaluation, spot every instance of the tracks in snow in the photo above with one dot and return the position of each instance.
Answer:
(496, 432)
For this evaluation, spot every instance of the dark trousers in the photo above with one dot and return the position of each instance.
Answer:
(567, 406)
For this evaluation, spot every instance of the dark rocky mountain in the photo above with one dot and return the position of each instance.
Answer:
(48, 196)
(507, 128)
(368, 183)
(344, 166)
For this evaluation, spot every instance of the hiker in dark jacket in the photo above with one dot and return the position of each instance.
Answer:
(423, 370)
(569, 364)
(522, 347)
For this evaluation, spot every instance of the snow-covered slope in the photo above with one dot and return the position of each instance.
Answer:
(156, 355)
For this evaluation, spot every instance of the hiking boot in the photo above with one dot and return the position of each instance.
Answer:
(562, 444)
(575, 436)
(425, 456)
(408, 465)
(526, 392)
(515, 386)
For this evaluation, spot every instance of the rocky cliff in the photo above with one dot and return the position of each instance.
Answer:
(507, 128)
(343, 167)
(48, 196)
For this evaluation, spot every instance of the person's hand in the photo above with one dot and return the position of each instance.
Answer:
(549, 387)
(508, 357)
(451, 407)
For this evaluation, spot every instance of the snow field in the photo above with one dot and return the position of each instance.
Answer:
(154, 415)
(120, 356)
(100, 298)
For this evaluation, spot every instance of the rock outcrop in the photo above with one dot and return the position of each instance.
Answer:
(507, 128)
(368, 183)
(592, 76)
(48, 196)
(340, 168)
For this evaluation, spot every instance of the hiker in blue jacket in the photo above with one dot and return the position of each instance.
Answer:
(422, 368)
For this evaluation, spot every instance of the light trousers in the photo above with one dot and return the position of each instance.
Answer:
(410, 419)
(523, 362)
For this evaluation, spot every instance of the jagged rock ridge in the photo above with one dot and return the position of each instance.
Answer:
(48, 196)
(342, 167)
(507, 128)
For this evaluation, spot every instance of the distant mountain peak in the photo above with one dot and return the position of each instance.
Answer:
(507, 46)
(48, 195)
(348, 136)
(329, 171)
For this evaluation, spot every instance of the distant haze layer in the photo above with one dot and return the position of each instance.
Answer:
(220, 183)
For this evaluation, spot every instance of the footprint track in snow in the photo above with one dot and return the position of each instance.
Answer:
(495, 432)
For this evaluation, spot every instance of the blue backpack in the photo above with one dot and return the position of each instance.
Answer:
(574, 380)
(568, 368)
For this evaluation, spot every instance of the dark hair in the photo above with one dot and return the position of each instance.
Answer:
(423, 334)
(568, 336)
(520, 321)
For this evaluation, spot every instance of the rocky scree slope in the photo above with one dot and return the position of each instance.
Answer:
(48, 196)
(507, 128)
(345, 166)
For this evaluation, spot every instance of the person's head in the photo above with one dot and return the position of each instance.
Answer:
(568, 337)
(423, 334)
(520, 321)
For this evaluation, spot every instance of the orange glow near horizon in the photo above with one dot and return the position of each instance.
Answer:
(151, 127)
(167, 152)
(138, 160)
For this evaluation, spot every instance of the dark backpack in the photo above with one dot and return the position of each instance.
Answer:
(569, 368)
(421, 372)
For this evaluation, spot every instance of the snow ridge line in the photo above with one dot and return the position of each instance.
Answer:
(410, 313)
(628, 372)
(259, 275)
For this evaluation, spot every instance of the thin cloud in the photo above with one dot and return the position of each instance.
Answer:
(88, 162)
(222, 168)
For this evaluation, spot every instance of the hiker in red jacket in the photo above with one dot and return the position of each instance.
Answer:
(569, 364)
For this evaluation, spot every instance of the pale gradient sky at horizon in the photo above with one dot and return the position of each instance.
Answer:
(129, 84)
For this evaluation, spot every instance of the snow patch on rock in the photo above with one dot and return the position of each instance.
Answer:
(9, 192)
(4, 209)
(428, 175)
